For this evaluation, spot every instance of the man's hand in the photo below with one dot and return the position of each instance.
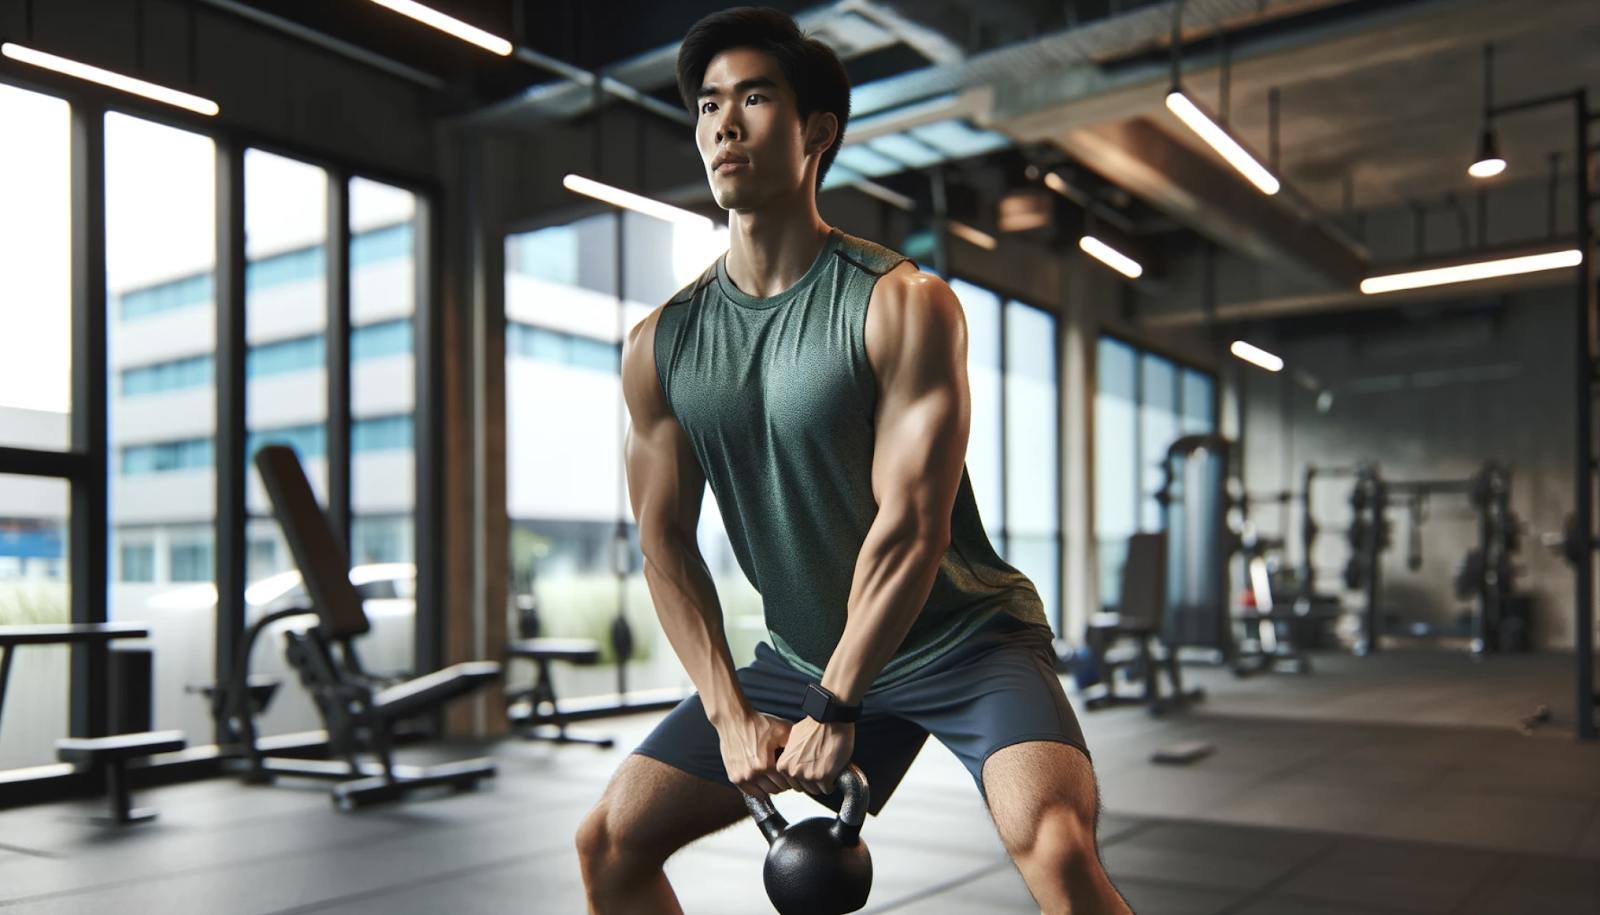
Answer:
(750, 747)
(816, 754)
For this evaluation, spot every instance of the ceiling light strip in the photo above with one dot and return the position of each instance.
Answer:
(1256, 356)
(1466, 273)
(117, 81)
(976, 236)
(1219, 140)
(1111, 257)
(630, 201)
(450, 25)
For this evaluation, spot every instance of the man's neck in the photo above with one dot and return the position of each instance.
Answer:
(770, 249)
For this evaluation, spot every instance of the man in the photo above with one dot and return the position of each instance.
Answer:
(818, 382)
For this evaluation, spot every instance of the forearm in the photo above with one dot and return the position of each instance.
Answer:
(894, 574)
(691, 615)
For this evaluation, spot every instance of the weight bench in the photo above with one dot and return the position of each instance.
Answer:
(542, 694)
(1138, 617)
(360, 712)
(111, 754)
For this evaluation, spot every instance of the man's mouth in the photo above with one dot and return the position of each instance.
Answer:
(726, 163)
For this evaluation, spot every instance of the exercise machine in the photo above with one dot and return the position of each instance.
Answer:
(361, 713)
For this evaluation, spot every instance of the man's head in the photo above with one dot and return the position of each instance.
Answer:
(770, 103)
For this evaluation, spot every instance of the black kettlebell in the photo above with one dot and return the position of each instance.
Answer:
(818, 866)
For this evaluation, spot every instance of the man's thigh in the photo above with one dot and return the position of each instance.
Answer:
(997, 690)
(655, 809)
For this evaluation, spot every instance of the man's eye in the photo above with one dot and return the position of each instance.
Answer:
(705, 107)
(753, 99)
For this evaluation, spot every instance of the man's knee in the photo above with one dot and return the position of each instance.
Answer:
(606, 845)
(1064, 840)
(594, 839)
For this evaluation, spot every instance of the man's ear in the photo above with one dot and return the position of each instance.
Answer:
(822, 128)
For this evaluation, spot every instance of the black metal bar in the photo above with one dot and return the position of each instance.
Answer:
(428, 524)
(231, 468)
(89, 537)
(31, 463)
(1005, 442)
(1583, 494)
(1540, 101)
(7, 652)
(1555, 187)
(338, 355)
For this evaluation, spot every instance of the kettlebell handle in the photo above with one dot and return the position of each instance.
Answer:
(852, 813)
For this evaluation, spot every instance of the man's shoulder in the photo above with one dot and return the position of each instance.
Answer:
(687, 294)
(870, 257)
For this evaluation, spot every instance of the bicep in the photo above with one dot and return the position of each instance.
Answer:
(924, 407)
(665, 482)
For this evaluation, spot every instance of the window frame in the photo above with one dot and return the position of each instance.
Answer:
(87, 463)
(1180, 365)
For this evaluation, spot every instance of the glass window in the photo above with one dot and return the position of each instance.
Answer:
(1158, 429)
(34, 589)
(35, 271)
(160, 252)
(383, 472)
(1142, 404)
(137, 563)
(571, 293)
(1032, 452)
(984, 447)
(1199, 403)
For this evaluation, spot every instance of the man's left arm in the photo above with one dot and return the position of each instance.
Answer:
(916, 339)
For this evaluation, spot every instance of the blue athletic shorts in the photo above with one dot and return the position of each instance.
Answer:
(998, 687)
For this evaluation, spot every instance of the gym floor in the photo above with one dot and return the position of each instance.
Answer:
(1394, 784)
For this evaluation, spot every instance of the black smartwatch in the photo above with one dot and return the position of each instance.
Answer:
(826, 708)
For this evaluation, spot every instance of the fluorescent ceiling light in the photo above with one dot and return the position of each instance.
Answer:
(1255, 355)
(1219, 140)
(630, 201)
(139, 87)
(429, 16)
(978, 237)
(1111, 257)
(1464, 273)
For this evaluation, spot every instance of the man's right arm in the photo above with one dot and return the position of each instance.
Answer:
(666, 486)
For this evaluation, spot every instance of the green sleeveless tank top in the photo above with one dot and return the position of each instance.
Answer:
(776, 396)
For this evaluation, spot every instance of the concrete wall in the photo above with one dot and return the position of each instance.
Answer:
(1433, 402)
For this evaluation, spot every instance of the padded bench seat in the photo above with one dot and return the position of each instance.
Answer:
(113, 753)
(432, 690)
(540, 698)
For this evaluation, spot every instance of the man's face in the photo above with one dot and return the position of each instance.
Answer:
(749, 131)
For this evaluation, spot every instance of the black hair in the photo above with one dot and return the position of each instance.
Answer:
(812, 70)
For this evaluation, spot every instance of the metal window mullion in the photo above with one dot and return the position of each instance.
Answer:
(1005, 433)
(231, 432)
(337, 350)
(89, 536)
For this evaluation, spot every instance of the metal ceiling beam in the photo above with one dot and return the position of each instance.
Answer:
(329, 43)
(1215, 201)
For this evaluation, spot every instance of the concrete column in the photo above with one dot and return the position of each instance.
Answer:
(1076, 335)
